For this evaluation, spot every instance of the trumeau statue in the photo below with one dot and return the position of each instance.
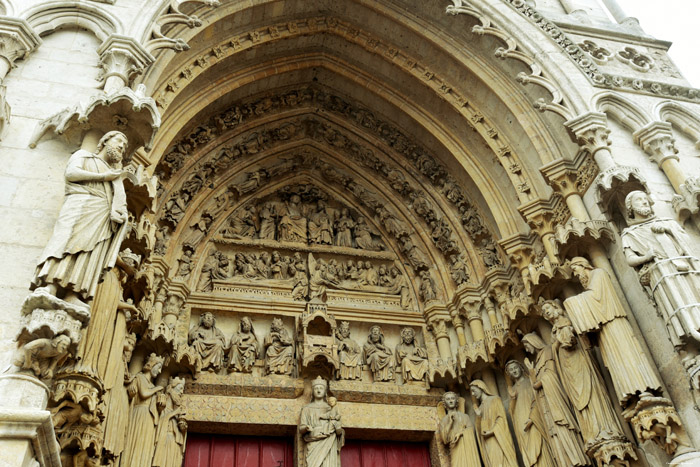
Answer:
(279, 350)
(412, 359)
(563, 431)
(598, 308)
(659, 250)
(141, 434)
(244, 347)
(492, 427)
(528, 423)
(320, 428)
(378, 356)
(584, 385)
(457, 431)
(209, 342)
(349, 352)
(91, 225)
(172, 426)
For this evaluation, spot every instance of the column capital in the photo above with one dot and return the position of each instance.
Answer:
(571, 176)
(656, 139)
(590, 131)
(17, 39)
(124, 57)
(543, 215)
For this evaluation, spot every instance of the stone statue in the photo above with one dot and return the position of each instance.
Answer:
(279, 268)
(564, 433)
(91, 225)
(528, 423)
(378, 356)
(344, 227)
(412, 359)
(242, 224)
(599, 308)
(215, 268)
(267, 215)
(399, 286)
(244, 347)
(209, 342)
(457, 431)
(349, 352)
(320, 428)
(292, 224)
(415, 256)
(584, 386)
(43, 355)
(320, 225)
(492, 426)
(172, 426)
(68, 413)
(427, 287)
(184, 268)
(279, 350)
(659, 250)
(117, 403)
(300, 286)
(141, 435)
(363, 235)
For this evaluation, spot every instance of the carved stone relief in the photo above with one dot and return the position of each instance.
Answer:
(279, 350)
(209, 342)
(378, 356)
(411, 359)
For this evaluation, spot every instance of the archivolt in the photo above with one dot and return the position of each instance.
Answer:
(623, 110)
(683, 119)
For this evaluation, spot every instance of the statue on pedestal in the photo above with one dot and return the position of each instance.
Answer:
(321, 429)
(492, 425)
(279, 350)
(457, 431)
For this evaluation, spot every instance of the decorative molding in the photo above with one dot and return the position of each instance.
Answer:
(17, 40)
(170, 16)
(124, 57)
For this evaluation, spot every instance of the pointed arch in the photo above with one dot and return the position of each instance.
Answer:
(48, 17)
(622, 110)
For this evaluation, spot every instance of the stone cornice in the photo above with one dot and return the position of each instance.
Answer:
(17, 39)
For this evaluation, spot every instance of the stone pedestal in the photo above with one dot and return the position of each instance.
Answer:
(27, 437)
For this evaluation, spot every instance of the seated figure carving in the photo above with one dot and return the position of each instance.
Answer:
(209, 342)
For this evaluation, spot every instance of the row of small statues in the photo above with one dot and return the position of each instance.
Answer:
(295, 222)
(241, 353)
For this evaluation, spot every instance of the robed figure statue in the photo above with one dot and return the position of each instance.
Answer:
(320, 427)
(457, 431)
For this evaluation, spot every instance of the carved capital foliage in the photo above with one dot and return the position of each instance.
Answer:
(124, 57)
(571, 176)
(613, 184)
(575, 237)
(17, 39)
(655, 419)
(656, 139)
(687, 203)
(543, 215)
(171, 16)
(590, 131)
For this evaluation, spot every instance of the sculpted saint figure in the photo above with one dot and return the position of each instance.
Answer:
(141, 435)
(659, 250)
(244, 347)
(457, 431)
(528, 423)
(599, 308)
(117, 403)
(215, 268)
(292, 225)
(172, 426)
(267, 215)
(379, 357)
(363, 235)
(565, 439)
(320, 427)
(412, 359)
(279, 350)
(583, 384)
(399, 286)
(343, 229)
(209, 342)
(320, 225)
(492, 426)
(91, 225)
(300, 287)
(349, 352)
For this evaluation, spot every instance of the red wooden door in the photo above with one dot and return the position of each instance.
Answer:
(384, 454)
(238, 451)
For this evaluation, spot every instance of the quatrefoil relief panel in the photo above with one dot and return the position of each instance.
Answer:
(635, 59)
(598, 53)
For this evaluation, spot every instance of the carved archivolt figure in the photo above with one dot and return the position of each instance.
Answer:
(415, 256)
(141, 435)
(412, 359)
(457, 431)
(292, 225)
(208, 341)
(528, 423)
(564, 434)
(379, 357)
(279, 350)
(599, 308)
(244, 347)
(427, 287)
(492, 426)
(660, 251)
(91, 225)
(584, 386)
(350, 353)
(321, 430)
(172, 426)
(42, 356)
